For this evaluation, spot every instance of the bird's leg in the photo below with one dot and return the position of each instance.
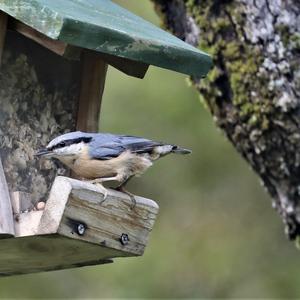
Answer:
(121, 188)
(123, 183)
(101, 188)
(132, 197)
(98, 182)
(103, 179)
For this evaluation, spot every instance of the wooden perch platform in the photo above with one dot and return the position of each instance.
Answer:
(77, 228)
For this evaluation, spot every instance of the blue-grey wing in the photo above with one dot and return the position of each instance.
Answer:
(110, 146)
(105, 151)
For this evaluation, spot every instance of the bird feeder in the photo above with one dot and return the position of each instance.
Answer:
(54, 57)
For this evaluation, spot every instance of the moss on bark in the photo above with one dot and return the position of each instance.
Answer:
(253, 91)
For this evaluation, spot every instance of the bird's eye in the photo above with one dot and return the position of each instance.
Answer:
(62, 144)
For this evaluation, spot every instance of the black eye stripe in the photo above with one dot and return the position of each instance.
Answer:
(70, 142)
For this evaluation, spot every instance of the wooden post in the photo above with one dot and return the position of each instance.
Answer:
(3, 27)
(6, 215)
(93, 75)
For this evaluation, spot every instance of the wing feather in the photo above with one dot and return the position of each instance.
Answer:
(108, 146)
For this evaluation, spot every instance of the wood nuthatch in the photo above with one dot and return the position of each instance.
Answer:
(107, 157)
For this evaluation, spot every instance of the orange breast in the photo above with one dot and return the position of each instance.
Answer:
(123, 166)
(92, 169)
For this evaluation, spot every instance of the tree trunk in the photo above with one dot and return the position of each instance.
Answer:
(253, 92)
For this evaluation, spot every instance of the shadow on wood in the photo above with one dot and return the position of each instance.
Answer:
(77, 228)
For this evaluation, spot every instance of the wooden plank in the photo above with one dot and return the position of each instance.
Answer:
(127, 66)
(73, 203)
(3, 28)
(6, 214)
(50, 252)
(49, 240)
(56, 46)
(26, 224)
(99, 219)
(93, 76)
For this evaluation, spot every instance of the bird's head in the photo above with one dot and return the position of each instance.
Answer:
(67, 145)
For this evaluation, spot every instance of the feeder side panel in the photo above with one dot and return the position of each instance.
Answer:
(38, 101)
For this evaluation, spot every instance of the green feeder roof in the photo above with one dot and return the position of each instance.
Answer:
(105, 27)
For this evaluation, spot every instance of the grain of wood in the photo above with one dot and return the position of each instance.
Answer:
(50, 252)
(6, 214)
(55, 206)
(106, 222)
(3, 28)
(26, 224)
(93, 76)
(73, 202)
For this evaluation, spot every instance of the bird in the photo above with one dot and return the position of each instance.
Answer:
(101, 157)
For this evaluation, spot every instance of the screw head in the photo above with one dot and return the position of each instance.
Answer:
(124, 239)
(81, 229)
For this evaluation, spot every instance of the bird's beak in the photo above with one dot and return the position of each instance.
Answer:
(43, 152)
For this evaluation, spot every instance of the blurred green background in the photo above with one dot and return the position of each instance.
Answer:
(216, 234)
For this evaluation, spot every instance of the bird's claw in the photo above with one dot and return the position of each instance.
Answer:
(132, 197)
(102, 189)
(104, 194)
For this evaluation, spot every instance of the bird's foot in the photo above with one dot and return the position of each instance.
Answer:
(99, 185)
(132, 197)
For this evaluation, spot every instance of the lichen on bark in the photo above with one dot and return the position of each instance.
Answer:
(253, 91)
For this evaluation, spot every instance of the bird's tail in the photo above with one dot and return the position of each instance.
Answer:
(179, 150)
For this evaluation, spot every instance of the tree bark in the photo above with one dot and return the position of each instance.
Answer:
(253, 92)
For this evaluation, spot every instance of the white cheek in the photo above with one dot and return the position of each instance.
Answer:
(74, 149)
(61, 151)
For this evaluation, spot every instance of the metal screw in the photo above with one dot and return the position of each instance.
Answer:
(80, 229)
(124, 239)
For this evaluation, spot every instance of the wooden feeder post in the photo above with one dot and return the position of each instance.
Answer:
(3, 28)
(6, 217)
(93, 74)
(54, 57)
